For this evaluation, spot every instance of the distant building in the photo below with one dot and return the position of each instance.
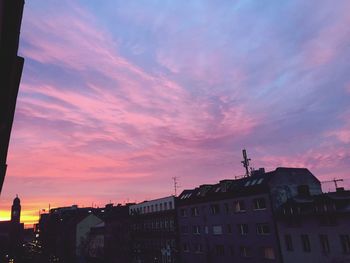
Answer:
(234, 220)
(73, 234)
(10, 72)
(153, 231)
(110, 242)
(11, 233)
(315, 228)
(64, 231)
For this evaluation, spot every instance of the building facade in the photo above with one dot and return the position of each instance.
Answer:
(11, 234)
(235, 220)
(316, 228)
(153, 231)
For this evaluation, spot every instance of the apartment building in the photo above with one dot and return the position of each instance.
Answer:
(153, 231)
(235, 220)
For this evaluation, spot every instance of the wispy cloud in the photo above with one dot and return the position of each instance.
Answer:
(118, 98)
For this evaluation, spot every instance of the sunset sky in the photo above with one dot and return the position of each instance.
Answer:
(117, 97)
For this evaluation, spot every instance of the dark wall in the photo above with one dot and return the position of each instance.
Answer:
(10, 72)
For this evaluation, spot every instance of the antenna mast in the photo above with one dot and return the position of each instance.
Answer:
(245, 162)
(176, 185)
(335, 181)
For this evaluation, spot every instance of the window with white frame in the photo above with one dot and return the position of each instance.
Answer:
(217, 230)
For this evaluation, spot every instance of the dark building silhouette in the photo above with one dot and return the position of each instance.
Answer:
(280, 216)
(235, 220)
(10, 72)
(73, 234)
(16, 210)
(315, 228)
(154, 232)
(11, 234)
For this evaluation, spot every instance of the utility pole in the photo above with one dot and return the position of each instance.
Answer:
(245, 162)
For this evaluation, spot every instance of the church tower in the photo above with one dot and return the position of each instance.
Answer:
(16, 210)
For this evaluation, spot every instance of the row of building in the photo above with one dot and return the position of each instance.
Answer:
(277, 216)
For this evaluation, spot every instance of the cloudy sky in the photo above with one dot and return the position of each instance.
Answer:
(117, 97)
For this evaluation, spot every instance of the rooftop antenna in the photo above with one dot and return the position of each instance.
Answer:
(245, 162)
(335, 181)
(176, 185)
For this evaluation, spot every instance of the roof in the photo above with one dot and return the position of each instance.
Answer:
(257, 183)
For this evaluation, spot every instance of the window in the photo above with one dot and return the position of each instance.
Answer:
(289, 242)
(232, 250)
(245, 251)
(305, 243)
(183, 212)
(184, 229)
(269, 253)
(156, 207)
(161, 207)
(198, 248)
(215, 209)
(262, 229)
(243, 229)
(219, 250)
(196, 230)
(345, 242)
(165, 206)
(239, 206)
(259, 203)
(226, 207)
(194, 211)
(185, 247)
(229, 229)
(170, 205)
(324, 244)
(217, 230)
